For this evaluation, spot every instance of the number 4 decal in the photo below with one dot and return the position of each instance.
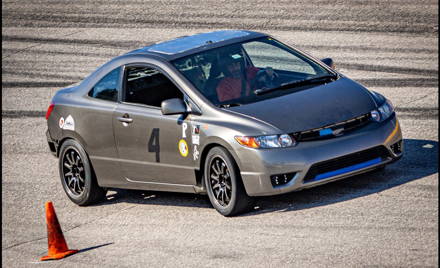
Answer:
(153, 143)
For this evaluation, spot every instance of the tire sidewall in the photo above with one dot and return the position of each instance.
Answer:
(84, 197)
(233, 171)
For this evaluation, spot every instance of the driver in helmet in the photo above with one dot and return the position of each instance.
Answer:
(240, 80)
(237, 80)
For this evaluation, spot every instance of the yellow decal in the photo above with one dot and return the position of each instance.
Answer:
(183, 148)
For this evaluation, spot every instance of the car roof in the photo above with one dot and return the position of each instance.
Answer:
(187, 45)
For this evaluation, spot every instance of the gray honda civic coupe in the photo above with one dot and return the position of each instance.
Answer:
(233, 114)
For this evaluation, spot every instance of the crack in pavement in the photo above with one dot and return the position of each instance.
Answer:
(421, 98)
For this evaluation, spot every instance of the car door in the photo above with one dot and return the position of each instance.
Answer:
(147, 141)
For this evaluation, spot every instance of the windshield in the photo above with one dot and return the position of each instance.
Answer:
(248, 72)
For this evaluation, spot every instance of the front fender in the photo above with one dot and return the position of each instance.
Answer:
(214, 141)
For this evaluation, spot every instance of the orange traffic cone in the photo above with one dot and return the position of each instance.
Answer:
(57, 245)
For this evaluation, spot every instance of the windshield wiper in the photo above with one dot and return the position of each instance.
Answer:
(296, 83)
(227, 105)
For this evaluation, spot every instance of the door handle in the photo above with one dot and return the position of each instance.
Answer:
(125, 119)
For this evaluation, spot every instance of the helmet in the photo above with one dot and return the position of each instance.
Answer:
(228, 59)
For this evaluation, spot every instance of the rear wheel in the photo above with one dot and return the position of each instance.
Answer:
(77, 176)
(223, 183)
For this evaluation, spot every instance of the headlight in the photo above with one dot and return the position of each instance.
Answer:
(383, 112)
(264, 142)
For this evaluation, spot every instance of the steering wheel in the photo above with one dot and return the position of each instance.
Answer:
(266, 78)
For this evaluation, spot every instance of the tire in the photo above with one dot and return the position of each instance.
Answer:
(77, 175)
(223, 183)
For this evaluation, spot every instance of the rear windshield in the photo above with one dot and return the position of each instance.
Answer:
(248, 72)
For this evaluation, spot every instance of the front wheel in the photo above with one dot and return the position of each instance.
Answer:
(77, 176)
(223, 183)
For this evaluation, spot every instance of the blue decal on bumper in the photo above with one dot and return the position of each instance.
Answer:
(347, 169)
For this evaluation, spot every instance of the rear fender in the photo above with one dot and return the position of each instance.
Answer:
(71, 135)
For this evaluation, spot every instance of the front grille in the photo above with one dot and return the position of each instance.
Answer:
(346, 161)
(341, 127)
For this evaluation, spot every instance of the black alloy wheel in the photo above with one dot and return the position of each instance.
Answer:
(77, 175)
(73, 172)
(220, 179)
(223, 183)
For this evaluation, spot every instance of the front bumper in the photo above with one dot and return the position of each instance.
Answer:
(308, 162)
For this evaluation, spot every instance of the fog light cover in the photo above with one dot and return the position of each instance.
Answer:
(281, 179)
(397, 147)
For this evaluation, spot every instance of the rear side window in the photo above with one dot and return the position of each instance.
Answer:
(148, 86)
(107, 87)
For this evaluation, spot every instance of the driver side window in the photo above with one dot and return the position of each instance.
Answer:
(148, 86)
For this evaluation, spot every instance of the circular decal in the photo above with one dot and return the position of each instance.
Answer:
(61, 122)
(183, 148)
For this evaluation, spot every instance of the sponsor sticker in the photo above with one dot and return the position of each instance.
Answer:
(196, 129)
(196, 134)
(69, 124)
(195, 153)
(196, 139)
(183, 148)
(61, 122)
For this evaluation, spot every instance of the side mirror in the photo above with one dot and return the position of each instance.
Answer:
(173, 106)
(329, 62)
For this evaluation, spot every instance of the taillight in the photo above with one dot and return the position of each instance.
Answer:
(49, 110)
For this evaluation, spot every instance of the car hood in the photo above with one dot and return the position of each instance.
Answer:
(314, 107)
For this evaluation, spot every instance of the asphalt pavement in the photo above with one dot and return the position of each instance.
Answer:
(380, 219)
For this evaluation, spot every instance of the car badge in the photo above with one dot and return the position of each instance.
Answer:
(338, 131)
